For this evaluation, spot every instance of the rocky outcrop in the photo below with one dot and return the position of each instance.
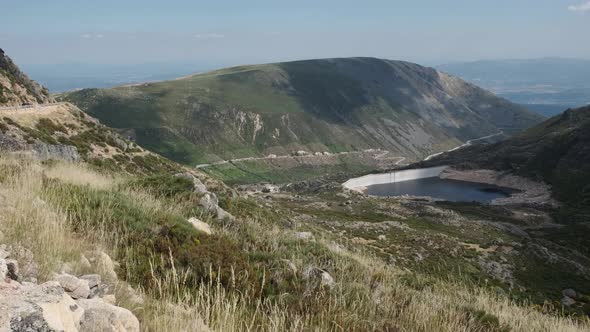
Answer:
(44, 151)
(208, 201)
(67, 303)
(198, 186)
(17, 88)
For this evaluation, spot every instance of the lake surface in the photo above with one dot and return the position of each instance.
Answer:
(450, 190)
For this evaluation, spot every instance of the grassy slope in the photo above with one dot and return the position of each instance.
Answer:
(322, 105)
(250, 285)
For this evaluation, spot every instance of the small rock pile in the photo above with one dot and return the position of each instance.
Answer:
(66, 303)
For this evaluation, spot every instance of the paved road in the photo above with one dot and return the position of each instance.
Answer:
(31, 108)
(469, 142)
(383, 153)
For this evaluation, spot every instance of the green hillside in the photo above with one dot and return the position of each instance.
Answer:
(556, 151)
(330, 105)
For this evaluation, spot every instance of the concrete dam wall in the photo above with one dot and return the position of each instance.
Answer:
(362, 182)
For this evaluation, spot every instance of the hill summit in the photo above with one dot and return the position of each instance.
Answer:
(328, 105)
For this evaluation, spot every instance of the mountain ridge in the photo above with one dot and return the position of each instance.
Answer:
(326, 105)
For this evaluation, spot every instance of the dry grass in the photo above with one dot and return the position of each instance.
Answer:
(369, 295)
(80, 174)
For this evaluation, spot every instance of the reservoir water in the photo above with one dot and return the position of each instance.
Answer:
(450, 190)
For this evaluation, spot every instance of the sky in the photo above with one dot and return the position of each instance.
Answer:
(223, 32)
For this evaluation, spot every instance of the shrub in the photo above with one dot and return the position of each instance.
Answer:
(484, 321)
(144, 236)
(163, 185)
(49, 127)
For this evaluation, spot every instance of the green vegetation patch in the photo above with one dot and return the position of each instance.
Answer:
(151, 240)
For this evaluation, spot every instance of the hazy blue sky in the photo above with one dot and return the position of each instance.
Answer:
(249, 31)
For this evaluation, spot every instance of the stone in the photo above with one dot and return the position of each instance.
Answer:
(3, 270)
(209, 202)
(13, 271)
(102, 316)
(223, 215)
(326, 280)
(317, 278)
(305, 236)
(104, 264)
(567, 301)
(200, 226)
(381, 237)
(93, 280)
(570, 293)
(76, 288)
(38, 308)
(27, 268)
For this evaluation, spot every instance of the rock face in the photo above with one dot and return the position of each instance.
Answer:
(55, 151)
(17, 88)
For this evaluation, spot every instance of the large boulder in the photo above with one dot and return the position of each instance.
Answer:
(31, 307)
(104, 317)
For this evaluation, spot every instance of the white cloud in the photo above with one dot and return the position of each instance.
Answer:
(92, 36)
(583, 7)
(209, 36)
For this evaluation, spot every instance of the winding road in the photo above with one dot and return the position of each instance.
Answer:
(311, 155)
(469, 142)
(29, 109)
